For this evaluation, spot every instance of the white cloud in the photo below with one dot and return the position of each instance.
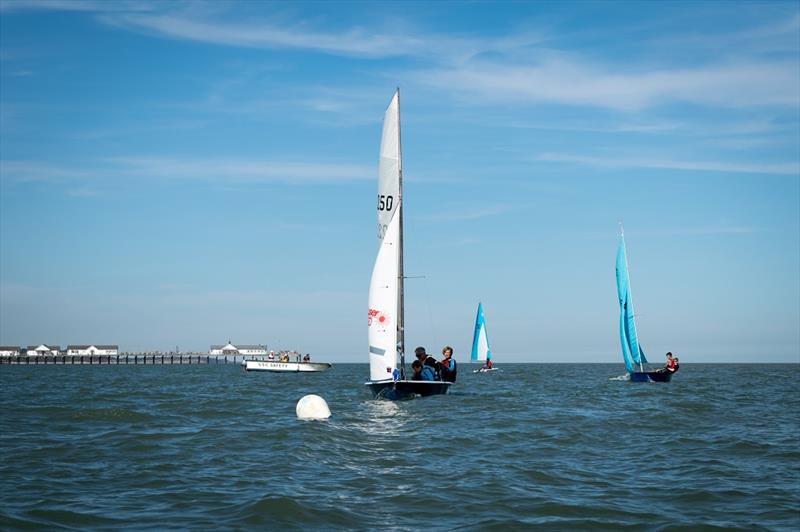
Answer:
(399, 40)
(562, 79)
(458, 213)
(671, 164)
(89, 6)
(212, 170)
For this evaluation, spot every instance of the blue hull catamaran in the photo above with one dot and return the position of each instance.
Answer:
(481, 352)
(632, 352)
(385, 318)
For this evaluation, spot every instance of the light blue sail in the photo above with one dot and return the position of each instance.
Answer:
(480, 340)
(632, 352)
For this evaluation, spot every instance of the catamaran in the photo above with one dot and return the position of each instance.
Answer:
(480, 344)
(385, 315)
(632, 352)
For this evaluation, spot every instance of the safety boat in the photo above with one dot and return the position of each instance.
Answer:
(285, 367)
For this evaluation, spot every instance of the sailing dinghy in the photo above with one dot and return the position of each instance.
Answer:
(385, 317)
(632, 352)
(480, 344)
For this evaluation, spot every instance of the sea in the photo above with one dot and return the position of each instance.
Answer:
(531, 446)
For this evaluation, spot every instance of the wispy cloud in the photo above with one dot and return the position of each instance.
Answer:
(212, 170)
(558, 78)
(670, 232)
(89, 6)
(399, 39)
(517, 67)
(520, 69)
(671, 164)
(458, 213)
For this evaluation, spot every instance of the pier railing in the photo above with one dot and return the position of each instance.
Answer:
(126, 358)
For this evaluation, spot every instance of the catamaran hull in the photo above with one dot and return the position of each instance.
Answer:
(485, 370)
(651, 376)
(285, 367)
(396, 390)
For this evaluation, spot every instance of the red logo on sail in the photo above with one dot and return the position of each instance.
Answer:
(377, 316)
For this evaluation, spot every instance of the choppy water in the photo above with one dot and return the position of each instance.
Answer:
(554, 446)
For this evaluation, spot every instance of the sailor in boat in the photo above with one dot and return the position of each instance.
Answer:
(426, 360)
(671, 366)
(271, 355)
(422, 372)
(488, 364)
(307, 358)
(449, 366)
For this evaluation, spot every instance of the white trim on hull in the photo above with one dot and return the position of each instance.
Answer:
(285, 367)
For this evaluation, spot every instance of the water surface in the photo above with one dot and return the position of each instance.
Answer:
(556, 446)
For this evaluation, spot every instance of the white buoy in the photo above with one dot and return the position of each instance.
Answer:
(312, 407)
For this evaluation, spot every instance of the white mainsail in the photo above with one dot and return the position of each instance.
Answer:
(385, 312)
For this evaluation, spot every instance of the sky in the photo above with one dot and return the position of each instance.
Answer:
(181, 174)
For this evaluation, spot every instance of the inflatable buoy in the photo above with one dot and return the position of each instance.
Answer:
(312, 407)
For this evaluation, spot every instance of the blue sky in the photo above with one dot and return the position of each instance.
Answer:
(184, 173)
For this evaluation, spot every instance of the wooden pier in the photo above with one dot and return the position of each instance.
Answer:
(144, 359)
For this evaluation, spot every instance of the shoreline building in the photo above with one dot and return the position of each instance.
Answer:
(9, 350)
(90, 350)
(43, 350)
(233, 350)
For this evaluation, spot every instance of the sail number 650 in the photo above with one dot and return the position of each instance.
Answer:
(385, 203)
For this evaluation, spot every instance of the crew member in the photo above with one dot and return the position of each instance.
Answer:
(449, 366)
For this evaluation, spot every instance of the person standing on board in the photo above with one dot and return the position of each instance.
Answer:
(449, 366)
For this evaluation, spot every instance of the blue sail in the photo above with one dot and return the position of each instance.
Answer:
(480, 340)
(631, 351)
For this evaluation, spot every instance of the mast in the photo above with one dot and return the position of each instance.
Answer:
(401, 330)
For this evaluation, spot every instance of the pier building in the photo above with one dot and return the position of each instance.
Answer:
(43, 350)
(9, 350)
(230, 349)
(81, 350)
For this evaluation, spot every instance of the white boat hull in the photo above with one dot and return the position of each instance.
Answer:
(285, 367)
(485, 370)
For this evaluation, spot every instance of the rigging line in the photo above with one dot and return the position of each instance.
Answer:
(430, 313)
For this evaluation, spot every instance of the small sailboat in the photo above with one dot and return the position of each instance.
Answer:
(632, 352)
(480, 344)
(385, 315)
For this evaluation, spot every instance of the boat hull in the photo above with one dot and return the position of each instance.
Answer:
(397, 390)
(485, 370)
(285, 367)
(652, 376)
